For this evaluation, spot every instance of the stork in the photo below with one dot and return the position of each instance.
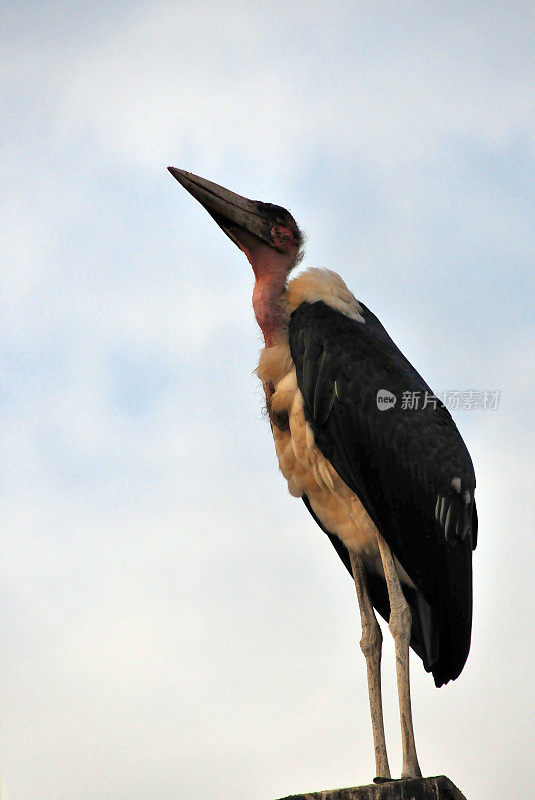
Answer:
(390, 483)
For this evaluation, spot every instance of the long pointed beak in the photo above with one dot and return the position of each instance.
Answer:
(230, 210)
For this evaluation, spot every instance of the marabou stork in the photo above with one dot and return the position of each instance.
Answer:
(393, 488)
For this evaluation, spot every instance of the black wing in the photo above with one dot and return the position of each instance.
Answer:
(409, 467)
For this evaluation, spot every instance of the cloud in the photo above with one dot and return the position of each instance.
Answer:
(169, 613)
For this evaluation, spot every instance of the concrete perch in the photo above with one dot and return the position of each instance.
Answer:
(436, 788)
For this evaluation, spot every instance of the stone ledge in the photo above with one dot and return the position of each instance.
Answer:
(436, 788)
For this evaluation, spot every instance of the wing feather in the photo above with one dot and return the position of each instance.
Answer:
(409, 467)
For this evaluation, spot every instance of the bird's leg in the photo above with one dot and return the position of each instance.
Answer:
(400, 626)
(370, 645)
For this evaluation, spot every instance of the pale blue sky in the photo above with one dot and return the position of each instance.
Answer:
(174, 624)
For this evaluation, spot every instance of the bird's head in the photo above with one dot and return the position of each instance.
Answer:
(267, 234)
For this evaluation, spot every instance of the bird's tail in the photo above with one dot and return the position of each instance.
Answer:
(454, 617)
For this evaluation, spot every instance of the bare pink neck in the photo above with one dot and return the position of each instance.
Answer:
(270, 268)
(268, 308)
